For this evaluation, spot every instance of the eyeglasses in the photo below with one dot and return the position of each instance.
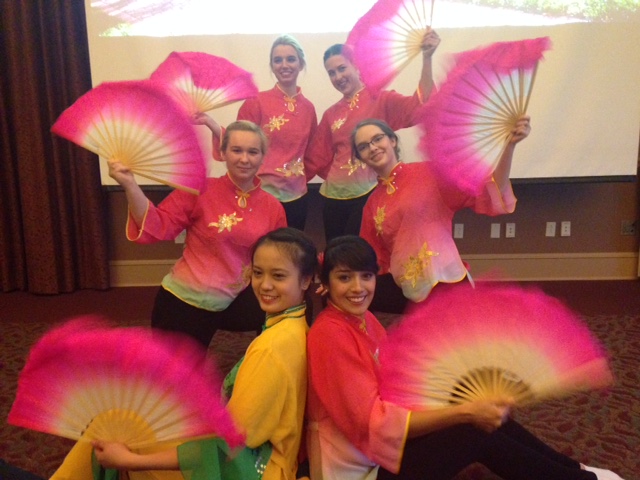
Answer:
(375, 141)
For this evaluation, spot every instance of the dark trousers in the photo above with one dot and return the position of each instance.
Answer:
(9, 472)
(511, 452)
(388, 297)
(296, 212)
(343, 217)
(242, 315)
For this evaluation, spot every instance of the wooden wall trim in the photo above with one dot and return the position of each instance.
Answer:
(557, 266)
(520, 267)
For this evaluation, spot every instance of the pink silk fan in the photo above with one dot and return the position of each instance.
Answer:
(201, 82)
(388, 37)
(138, 124)
(466, 343)
(468, 121)
(85, 380)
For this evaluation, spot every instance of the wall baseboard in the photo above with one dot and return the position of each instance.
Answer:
(556, 266)
(519, 267)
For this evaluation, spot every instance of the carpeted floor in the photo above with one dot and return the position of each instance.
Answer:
(597, 428)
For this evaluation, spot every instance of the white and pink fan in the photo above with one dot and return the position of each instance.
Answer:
(201, 82)
(386, 38)
(86, 380)
(140, 125)
(468, 121)
(466, 343)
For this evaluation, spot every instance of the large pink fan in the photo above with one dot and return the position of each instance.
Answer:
(388, 37)
(140, 125)
(463, 344)
(85, 380)
(201, 82)
(468, 121)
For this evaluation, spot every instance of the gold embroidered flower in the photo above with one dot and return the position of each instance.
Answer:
(416, 266)
(352, 165)
(292, 169)
(276, 122)
(338, 124)
(379, 219)
(226, 222)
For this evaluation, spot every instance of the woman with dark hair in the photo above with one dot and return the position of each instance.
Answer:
(353, 434)
(266, 389)
(408, 217)
(207, 287)
(289, 121)
(347, 180)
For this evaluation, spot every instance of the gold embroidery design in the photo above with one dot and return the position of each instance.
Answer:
(415, 267)
(276, 122)
(294, 168)
(379, 219)
(352, 165)
(353, 103)
(226, 222)
(337, 124)
(363, 327)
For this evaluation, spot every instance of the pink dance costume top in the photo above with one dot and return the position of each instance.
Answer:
(408, 221)
(289, 123)
(351, 429)
(222, 224)
(329, 154)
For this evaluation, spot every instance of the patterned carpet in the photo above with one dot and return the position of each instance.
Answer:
(596, 428)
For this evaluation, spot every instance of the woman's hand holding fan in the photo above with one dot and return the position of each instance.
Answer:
(86, 381)
(489, 342)
(468, 122)
(387, 38)
(140, 125)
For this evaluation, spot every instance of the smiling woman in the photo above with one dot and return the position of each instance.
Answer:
(207, 288)
(289, 120)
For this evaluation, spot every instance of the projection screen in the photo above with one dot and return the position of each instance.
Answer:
(585, 106)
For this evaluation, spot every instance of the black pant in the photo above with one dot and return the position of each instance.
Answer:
(511, 452)
(343, 217)
(296, 212)
(172, 314)
(388, 296)
(9, 472)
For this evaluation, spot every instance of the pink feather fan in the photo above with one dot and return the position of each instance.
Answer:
(140, 125)
(466, 343)
(387, 38)
(86, 380)
(468, 121)
(201, 82)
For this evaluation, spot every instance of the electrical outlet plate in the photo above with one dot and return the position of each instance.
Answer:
(565, 229)
(628, 227)
(551, 229)
(509, 230)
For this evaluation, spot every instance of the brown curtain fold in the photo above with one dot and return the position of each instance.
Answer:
(52, 206)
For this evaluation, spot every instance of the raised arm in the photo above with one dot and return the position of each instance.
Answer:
(207, 121)
(138, 201)
(503, 169)
(429, 45)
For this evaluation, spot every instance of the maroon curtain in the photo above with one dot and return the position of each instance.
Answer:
(52, 206)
